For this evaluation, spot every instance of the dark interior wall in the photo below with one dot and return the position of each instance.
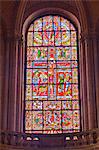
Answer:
(2, 68)
(9, 11)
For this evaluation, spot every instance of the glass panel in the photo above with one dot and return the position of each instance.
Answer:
(75, 104)
(68, 53)
(65, 38)
(51, 85)
(37, 38)
(64, 64)
(52, 105)
(72, 27)
(67, 119)
(28, 92)
(47, 23)
(57, 38)
(38, 25)
(51, 76)
(29, 54)
(37, 105)
(63, 53)
(73, 38)
(40, 91)
(39, 64)
(39, 53)
(51, 53)
(37, 131)
(74, 53)
(52, 91)
(37, 120)
(28, 105)
(28, 120)
(74, 91)
(65, 25)
(48, 38)
(64, 76)
(29, 64)
(54, 131)
(52, 120)
(40, 76)
(64, 90)
(75, 75)
(76, 119)
(66, 104)
(56, 23)
(28, 76)
(31, 28)
(74, 64)
(30, 39)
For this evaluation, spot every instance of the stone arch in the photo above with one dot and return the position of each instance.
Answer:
(80, 20)
(81, 15)
(50, 11)
(19, 18)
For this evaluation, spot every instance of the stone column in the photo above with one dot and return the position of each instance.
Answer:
(88, 73)
(12, 99)
(83, 86)
(5, 80)
(20, 84)
(96, 69)
(2, 77)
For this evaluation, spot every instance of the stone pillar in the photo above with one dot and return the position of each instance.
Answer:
(96, 69)
(5, 80)
(88, 73)
(2, 75)
(12, 98)
(20, 84)
(83, 87)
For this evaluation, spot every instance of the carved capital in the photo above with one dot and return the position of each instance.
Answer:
(18, 36)
(91, 35)
(13, 37)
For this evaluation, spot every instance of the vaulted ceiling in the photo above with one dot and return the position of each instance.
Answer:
(10, 9)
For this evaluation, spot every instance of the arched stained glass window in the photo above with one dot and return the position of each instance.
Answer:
(51, 87)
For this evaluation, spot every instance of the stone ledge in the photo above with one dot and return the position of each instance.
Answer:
(87, 147)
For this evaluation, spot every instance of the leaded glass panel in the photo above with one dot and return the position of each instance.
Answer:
(52, 85)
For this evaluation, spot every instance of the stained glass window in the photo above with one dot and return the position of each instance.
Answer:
(52, 87)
